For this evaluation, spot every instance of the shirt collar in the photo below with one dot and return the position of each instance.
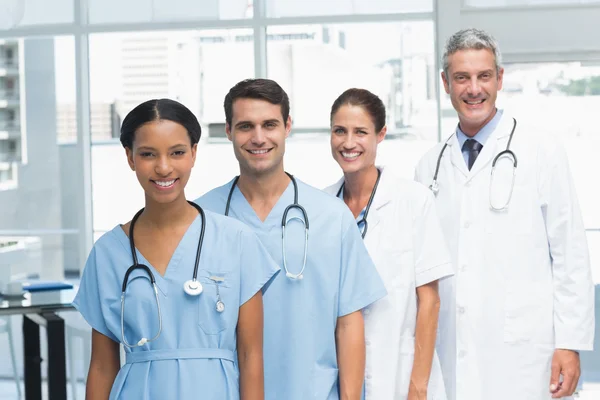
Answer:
(483, 134)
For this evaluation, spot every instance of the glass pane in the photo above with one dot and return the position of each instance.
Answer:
(590, 361)
(103, 11)
(505, 3)
(563, 99)
(196, 68)
(294, 8)
(39, 194)
(316, 63)
(18, 13)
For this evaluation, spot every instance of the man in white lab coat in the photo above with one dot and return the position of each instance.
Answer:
(521, 304)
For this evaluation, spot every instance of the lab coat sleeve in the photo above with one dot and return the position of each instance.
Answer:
(89, 300)
(432, 260)
(573, 285)
(257, 267)
(360, 283)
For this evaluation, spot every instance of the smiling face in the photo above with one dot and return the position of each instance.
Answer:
(473, 84)
(258, 134)
(162, 158)
(354, 139)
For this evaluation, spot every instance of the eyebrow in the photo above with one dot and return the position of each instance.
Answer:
(271, 121)
(153, 149)
(488, 71)
(362, 128)
(276, 121)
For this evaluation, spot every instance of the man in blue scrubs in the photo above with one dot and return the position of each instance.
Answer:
(314, 346)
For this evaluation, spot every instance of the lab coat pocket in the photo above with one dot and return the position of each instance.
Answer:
(213, 301)
(396, 268)
(516, 218)
(325, 383)
(405, 366)
(528, 314)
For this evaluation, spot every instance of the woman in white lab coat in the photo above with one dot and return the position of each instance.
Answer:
(401, 231)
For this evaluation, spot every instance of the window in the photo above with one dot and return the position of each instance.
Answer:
(507, 3)
(43, 192)
(21, 13)
(103, 11)
(180, 65)
(563, 98)
(295, 8)
(316, 63)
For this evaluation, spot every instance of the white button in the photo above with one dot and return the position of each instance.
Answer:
(367, 342)
(462, 354)
(367, 311)
(461, 310)
(468, 184)
(368, 376)
(467, 224)
(463, 268)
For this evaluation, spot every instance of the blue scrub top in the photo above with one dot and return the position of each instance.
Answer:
(300, 316)
(194, 357)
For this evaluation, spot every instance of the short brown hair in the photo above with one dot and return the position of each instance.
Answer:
(261, 89)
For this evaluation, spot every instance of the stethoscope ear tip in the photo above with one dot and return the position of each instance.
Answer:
(192, 287)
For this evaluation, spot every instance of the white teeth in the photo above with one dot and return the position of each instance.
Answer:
(475, 102)
(259, 151)
(350, 155)
(165, 183)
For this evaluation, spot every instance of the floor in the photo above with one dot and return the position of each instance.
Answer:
(8, 391)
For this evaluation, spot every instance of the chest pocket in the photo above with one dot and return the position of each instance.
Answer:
(394, 257)
(216, 302)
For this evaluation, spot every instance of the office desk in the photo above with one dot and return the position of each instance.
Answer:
(39, 309)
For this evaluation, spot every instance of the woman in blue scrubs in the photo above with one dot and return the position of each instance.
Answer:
(179, 334)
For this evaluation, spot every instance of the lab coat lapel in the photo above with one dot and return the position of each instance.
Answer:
(456, 156)
(490, 148)
(381, 199)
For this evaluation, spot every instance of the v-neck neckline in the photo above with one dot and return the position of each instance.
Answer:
(172, 265)
(249, 215)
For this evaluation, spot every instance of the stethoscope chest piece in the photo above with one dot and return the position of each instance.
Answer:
(434, 187)
(192, 287)
(294, 276)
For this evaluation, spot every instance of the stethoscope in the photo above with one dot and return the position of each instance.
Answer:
(434, 187)
(284, 221)
(363, 220)
(192, 287)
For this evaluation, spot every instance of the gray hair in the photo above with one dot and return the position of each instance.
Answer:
(471, 39)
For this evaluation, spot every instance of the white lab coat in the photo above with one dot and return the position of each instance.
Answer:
(406, 243)
(523, 284)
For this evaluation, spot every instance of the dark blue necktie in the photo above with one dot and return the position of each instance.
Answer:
(474, 148)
